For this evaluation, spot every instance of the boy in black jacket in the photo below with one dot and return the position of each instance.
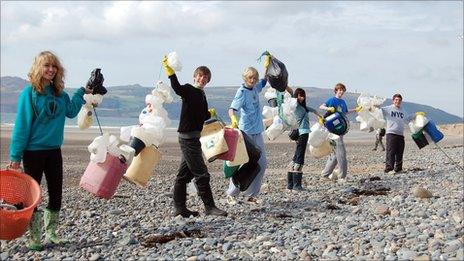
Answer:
(193, 114)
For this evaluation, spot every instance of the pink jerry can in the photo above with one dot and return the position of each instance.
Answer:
(102, 179)
(231, 137)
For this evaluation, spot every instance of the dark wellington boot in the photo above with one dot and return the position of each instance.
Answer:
(289, 180)
(204, 191)
(297, 179)
(180, 196)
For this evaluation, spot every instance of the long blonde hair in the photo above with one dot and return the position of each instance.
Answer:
(35, 74)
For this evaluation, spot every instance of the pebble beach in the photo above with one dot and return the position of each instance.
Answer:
(414, 215)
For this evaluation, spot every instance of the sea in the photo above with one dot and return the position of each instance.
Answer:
(8, 119)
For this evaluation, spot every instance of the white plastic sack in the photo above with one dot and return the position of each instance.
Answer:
(126, 133)
(269, 112)
(98, 148)
(322, 150)
(146, 136)
(276, 128)
(113, 146)
(368, 102)
(84, 117)
(270, 93)
(156, 101)
(370, 116)
(318, 135)
(163, 90)
(93, 99)
(156, 133)
(174, 62)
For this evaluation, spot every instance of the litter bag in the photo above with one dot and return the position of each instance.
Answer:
(244, 176)
(277, 74)
(174, 62)
(95, 82)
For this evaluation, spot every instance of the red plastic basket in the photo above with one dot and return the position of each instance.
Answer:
(16, 187)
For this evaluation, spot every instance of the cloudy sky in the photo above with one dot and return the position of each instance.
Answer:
(414, 48)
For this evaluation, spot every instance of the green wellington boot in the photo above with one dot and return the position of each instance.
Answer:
(35, 232)
(51, 220)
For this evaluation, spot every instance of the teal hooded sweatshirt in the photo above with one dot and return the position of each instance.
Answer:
(40, 120)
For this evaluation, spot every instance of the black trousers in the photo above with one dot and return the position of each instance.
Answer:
(192, 164)
(395, 149)
(300, 150)
(50, 162)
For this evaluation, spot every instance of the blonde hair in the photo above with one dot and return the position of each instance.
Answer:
(250, 71)
(35, 74)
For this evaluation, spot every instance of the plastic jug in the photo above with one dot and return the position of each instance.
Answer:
(317, 135)
(212, 140)
(432, 130)
(231, 137)
(337, 123)
(142, 166)
(241, 154)
(420, 139)
(229, 170)
(102, 179)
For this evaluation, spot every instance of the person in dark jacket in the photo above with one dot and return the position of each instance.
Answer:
(193, 114)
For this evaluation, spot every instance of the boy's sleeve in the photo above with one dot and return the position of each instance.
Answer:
(74, 105)
(260, 85)
(328, 102)
(238, 101)
(23, 125)
(175, 85)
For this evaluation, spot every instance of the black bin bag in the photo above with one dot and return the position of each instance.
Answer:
(244, 176)
(277, 74)
(95, 82)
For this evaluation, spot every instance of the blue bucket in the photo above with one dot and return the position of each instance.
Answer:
(337, 123)
(431, 129)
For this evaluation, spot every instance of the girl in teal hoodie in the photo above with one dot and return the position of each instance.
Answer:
(38, 135)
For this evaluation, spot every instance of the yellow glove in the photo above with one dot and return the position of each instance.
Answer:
(321, 120)
(358, 108)
(212, 112)
(267, 61)
(331, 109)
(167, 69)
(420, 113)
(233, 122)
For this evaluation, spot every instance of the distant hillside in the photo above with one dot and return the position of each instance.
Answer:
(128, 101)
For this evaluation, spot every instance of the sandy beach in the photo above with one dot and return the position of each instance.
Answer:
(324, 222)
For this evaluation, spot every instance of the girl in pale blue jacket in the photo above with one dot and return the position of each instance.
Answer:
(295, 175)
(38, 135)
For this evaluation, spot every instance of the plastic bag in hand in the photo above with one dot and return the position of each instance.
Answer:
(95, 82)
(277, 74)
(174, 62)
